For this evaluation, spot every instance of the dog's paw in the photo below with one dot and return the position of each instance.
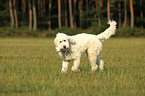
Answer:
(94, 68)
(101, 65)
(101, 68)
(64, 70)
(75, 69)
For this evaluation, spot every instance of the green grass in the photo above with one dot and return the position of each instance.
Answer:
(32, 67)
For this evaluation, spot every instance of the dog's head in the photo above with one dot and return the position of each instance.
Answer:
(62, 41)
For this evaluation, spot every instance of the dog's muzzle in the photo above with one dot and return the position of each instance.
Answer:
(64, 47)
(65, 50)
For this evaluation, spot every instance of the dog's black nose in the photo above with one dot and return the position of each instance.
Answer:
(64, 46)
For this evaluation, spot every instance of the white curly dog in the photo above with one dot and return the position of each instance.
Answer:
(72, 47)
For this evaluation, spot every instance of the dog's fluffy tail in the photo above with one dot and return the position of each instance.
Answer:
(108, 32)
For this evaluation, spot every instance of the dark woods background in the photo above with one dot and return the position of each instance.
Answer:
(43, 18)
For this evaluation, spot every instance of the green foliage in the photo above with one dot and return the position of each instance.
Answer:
(95, 29)
(4, 14)
(21, 32)
(70, 31)
(31, 67)
(130, 32)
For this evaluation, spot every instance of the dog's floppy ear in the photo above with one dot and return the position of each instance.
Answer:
(56, 38)
(70, 39)
(55, 41)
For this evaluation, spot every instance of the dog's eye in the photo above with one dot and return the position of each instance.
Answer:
(64, 40)
(60, 41)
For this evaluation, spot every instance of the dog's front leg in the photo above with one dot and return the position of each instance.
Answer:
(76, 65)
(64, 66)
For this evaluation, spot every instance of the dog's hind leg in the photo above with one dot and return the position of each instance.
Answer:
(100, 63)
(93, 59)
(93, 62)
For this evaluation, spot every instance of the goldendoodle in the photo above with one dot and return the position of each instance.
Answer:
(72, 47)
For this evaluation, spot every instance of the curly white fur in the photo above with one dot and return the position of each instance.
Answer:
(72, 47)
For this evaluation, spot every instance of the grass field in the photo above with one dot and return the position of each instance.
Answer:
(31, 67)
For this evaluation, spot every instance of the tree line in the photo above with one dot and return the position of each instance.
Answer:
(51, 14)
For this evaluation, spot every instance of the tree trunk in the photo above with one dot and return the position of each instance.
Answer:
(23, 10)
(99, 14)
(44, 6)
(35, 16)
(24, 7)
(49, 22)
(87, 8)
(108, 9)
(39, 7)
(119, 13)
(15, 13)
(30, 15)
(80, 11)
(132, 14)
(66, 23)
(75, 24)
(141, 14)
(59, 13)
(41, 2)
(125, 14)
(11, 13)
(70, 13)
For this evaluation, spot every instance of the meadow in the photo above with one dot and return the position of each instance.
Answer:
(32, 67)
